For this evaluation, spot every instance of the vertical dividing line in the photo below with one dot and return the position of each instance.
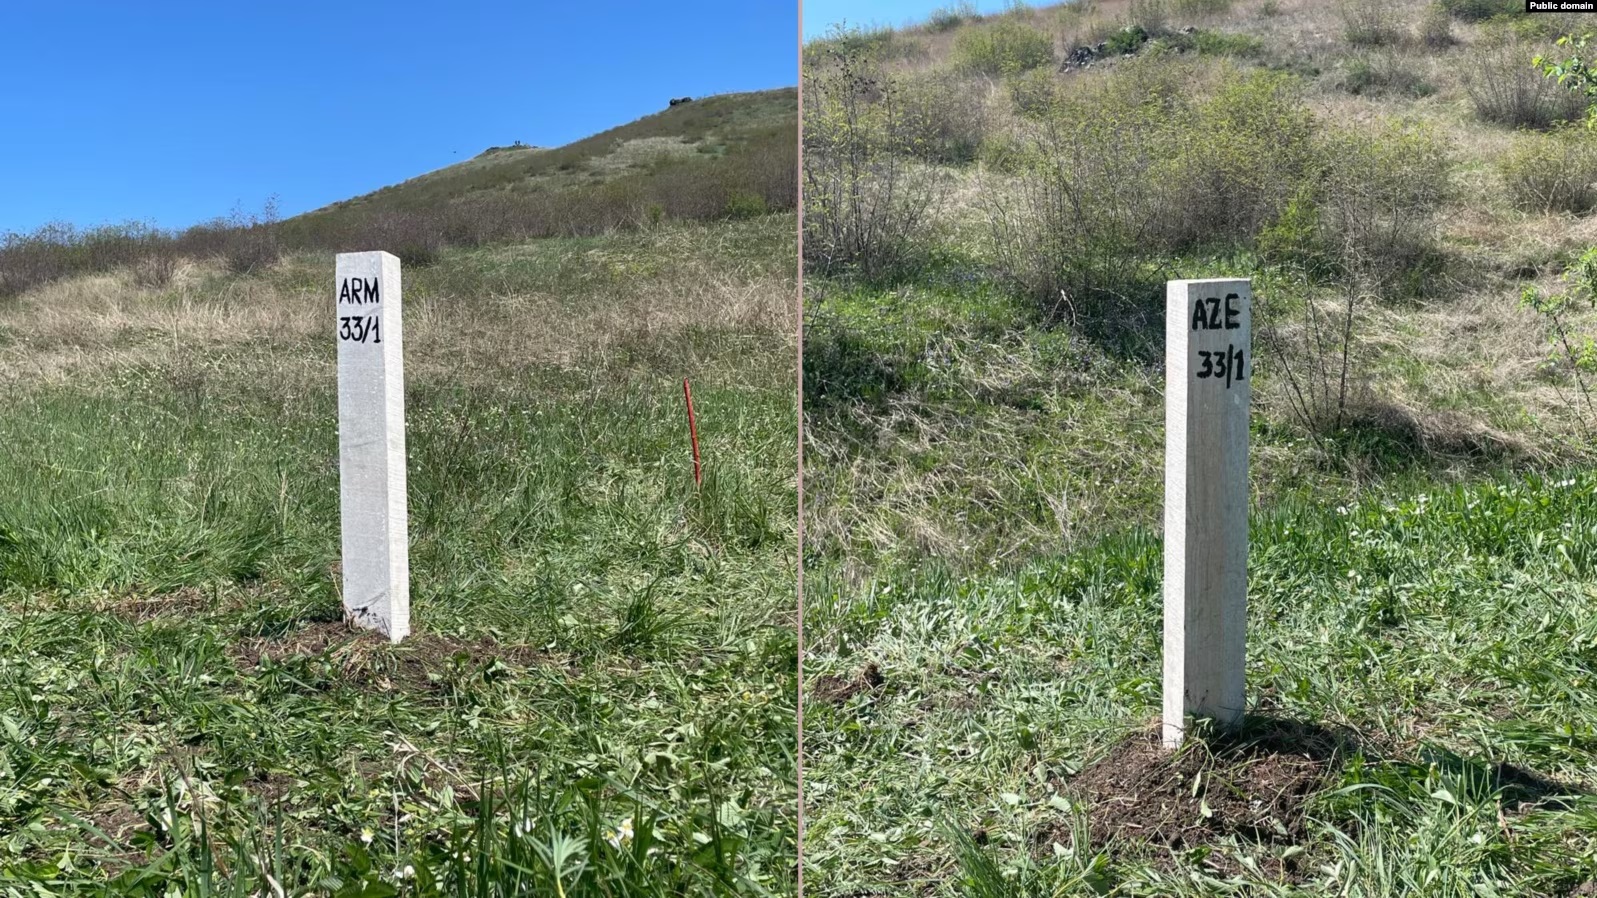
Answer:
(798, 175)
(693, 434)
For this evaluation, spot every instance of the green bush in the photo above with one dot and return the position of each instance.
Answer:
(746, 205)
(1034, 93)
(1004, 47)
(1552, 172)
(942, 116)
(1224, 43)
(1295, 239)
(1126, 41)
(1139, 166)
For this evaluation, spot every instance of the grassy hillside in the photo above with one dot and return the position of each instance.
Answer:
(993, 205)
(599, 695)
(716, 158)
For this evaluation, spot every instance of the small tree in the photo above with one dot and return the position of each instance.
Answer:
(1575, 71)
(867, 204)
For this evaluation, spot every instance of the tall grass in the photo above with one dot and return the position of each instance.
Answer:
(598, 695)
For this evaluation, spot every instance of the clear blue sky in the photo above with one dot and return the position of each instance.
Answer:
(175, 111)
(821, 15)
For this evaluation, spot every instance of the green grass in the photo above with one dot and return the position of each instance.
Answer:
(1450, 629)
(720, 122)
(596, 641)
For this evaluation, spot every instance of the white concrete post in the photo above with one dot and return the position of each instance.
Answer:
(371, 444)
(1208, 370)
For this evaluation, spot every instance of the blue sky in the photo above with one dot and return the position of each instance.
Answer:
(176, 111)
(821, 15)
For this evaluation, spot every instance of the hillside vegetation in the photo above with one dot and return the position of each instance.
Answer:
(599, 694)
(993, 205)
(722, 157)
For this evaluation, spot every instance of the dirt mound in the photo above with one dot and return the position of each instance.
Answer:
(836, 690)
(1251, 786)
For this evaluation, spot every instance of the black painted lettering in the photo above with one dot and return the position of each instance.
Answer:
(371, 291)
(1232, 313)
(1198, 319)
(343, 291)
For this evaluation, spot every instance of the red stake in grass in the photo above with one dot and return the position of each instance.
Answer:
(693, 433)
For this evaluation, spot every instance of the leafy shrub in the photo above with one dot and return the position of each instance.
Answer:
(1507, 89)
(1137, 166)
(1004, 47)
(1368, 23)
(1552, 173)
(1480, 10)
(867, 207)
(942, 116)
(1126, 41)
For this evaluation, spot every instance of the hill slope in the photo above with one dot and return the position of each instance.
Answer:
(984, 430)
(719, 157)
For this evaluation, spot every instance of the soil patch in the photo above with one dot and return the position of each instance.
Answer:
(1250, 786)
(837, 690)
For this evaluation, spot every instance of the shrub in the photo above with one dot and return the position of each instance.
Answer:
(1224, 43)
(1436, 28)
(1137, 166)
(1126, 41)
(1034, 93)
(1507, 89)
(1368, 23)
(1383, 188)
(1552, 173)
(1004, 47)
(157, 269)
(1480, 10)
(942, 116)
(745, 205)
(947, 18)
(1378, 73)
(867, 207)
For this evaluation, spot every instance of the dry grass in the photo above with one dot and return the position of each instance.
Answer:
(667, 289)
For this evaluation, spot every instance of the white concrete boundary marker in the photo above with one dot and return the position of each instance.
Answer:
(1208, 370)
(371, 444)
